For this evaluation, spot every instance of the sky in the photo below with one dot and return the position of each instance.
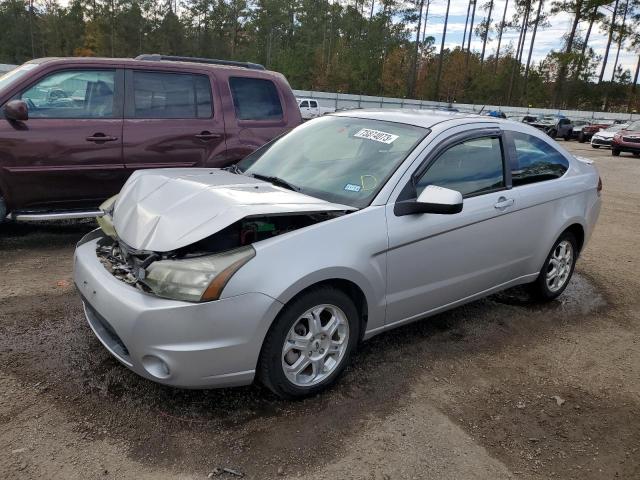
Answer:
(546, 39)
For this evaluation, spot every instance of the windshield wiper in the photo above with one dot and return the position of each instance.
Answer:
(276, 181)
(234, 168)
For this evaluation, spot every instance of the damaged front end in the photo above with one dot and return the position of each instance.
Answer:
(200, 271)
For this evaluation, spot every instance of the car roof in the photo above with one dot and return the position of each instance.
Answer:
(137, 63)
(425, 118)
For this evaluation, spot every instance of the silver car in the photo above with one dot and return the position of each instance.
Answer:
(350, 225)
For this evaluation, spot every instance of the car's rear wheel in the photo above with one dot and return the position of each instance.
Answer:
(615, 152)
(553, 133)
(309, 344)
(636, 154)
(581, 137)
(567, 137)
(557, 269)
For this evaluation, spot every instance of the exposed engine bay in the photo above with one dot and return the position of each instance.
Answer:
(129, 265)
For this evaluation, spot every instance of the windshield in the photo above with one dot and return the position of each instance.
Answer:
(16, 74)
(616, 128)
(339, 159)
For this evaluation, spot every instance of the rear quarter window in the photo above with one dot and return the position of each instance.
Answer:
(536, 160)
(255, 99)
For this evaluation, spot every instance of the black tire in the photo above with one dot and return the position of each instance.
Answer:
(615, 152)
(581, 137)
(270, 366)
(636, 154)
(567, 137)
(3, 210)
(553, 133)
(539, 289)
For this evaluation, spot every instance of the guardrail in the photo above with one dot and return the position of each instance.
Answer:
(345, 101)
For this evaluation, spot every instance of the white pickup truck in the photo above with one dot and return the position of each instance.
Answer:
(309, 108)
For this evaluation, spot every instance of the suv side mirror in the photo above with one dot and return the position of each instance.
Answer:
(433, 199)
(16, 110)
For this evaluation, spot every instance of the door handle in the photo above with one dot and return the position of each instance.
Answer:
(504, 203)
(101, 137)
(208, 135)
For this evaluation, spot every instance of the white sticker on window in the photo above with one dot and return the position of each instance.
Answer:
(376, 135)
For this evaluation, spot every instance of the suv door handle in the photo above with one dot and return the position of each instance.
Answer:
(504, 203)
(101, 137)
(208, 135)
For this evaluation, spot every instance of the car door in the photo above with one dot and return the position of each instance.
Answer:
(313, 106)
(438, 260)
(69, 152)
(305, 110)
(172, 119)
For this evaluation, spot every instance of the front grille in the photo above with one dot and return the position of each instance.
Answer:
(601, 141)
(631, 139)
(124, 263)
(106, 333)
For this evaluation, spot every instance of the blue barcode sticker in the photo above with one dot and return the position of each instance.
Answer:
(351, 187)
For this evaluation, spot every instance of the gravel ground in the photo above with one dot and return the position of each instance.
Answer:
(496, 389)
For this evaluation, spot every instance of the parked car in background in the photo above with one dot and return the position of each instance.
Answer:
(604, 137)
(350, 225)
(72, 130)
(627, 140)
(588, 130)
(310, 108)
(553, 125)
(578, 125)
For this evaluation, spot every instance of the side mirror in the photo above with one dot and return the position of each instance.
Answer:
(433, 199)
(16, 110)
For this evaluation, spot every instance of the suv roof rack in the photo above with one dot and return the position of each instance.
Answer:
(173, 58)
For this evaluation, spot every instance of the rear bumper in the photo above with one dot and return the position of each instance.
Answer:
(192, 345)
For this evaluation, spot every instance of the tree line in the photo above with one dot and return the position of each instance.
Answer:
(369, 47)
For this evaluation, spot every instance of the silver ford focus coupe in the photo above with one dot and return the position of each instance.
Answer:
(354, 223)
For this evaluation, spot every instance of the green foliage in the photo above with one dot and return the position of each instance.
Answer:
(352, 46)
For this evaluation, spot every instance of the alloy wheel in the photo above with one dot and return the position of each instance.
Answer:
(315, 345)
(560, 265)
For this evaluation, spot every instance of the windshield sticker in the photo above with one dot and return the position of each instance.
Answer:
(376, 135)
(350, 187)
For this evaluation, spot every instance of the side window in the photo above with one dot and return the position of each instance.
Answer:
(72, 94)
(313, 104)
(304, 104)
(255, 99)
(471, 167)
(171, 95)
(536, 160)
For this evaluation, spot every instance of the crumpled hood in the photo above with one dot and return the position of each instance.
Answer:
(165, 209)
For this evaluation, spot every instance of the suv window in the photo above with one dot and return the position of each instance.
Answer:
(536, 160)
(313, 104)
(72, 94)
(471, 167)
(255, 99)
(171, 95)
(304, 104)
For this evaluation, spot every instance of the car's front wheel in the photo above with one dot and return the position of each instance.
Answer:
(581, 137)
(595, 146)
(3, 209)
(309, 344)
(557, 269)
(615, 152)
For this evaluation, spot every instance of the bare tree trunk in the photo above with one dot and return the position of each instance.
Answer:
(426, 17)
(533, 40)
(620, 36)
(606, 52)
(444, 34)
(473, 17)
(563, 61)
(414, 66)
(466, 23)
(486, 35)
(634, 87)
(500, 30)
(516, 63)
(585, 44)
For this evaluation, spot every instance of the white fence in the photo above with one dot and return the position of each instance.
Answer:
(345, 101)
(5, 67)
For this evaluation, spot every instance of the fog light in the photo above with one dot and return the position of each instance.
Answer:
(155, 366)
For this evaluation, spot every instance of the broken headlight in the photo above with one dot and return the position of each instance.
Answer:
(197, 279)
(105, 222)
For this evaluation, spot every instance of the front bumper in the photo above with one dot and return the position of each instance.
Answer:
(191, 345)
(626, 147)
(601, 142)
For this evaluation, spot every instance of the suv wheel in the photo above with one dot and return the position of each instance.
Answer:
(581, 137)
(557, 269)
(615, 152)
(309, 344)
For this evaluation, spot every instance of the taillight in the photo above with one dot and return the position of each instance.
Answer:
(599, 189)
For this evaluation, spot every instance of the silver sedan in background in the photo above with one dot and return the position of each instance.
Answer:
(352, 224)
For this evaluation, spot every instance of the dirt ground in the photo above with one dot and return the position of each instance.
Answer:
(496, 389)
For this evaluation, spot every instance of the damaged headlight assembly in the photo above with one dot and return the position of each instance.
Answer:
(105, 222)
(199, 279)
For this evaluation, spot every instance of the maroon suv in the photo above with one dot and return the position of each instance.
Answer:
(73, 129)
(627, 140)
